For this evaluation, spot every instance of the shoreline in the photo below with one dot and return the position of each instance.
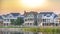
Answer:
(32, 29)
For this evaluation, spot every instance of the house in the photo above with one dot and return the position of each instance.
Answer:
(30, 18)
(1, 21)
(46, 18)
(6, 20)
(8, 17)
(57, 20)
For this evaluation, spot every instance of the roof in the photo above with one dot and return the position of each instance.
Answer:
(32, 12)
(15, 14)
(55, 16)
(48, 14)
(1, 17)
(5, 15)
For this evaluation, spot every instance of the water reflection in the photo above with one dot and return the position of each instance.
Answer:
(9, 32)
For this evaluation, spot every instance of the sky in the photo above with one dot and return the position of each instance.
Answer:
(19, 6)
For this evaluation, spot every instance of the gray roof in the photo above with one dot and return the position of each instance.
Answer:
(15, 14)
(5, 15)
(28, 13)
(46, 13)
(1, 17)
(50, 14)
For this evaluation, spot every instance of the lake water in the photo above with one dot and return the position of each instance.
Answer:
(9, 32)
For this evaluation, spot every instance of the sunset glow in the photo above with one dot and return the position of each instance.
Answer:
(33, 3)
(8, 6)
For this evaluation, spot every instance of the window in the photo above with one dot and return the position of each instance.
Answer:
(7, 19)
(30, 23)
(44, 20)
(31, 15)
(30, 19)
(25, 19)
(48, 15)
(4, 19)
(7, 24)
(27, 23)
(48, 20)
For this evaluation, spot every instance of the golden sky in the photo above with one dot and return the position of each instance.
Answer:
(8, 6)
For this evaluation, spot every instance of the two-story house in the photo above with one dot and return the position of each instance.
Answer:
(1, 21)
(30, 18)
(8, 17)
(57, 19)
(46, 18)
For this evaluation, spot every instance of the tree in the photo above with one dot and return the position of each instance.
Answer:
(18, 21)
(13, 21)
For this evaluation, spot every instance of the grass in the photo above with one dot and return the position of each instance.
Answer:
(8, 27)
(57, 30)
(36, 29)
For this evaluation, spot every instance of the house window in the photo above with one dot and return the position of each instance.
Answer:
(30, 19)
(7, 19)
(26, 23)
(30, 23)
(48, 20)
(4, 24)
(45, 24)
(25, 19)
(44, 20)
(48, 15)
(7, 24)
(31, 15)
(4, 19)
